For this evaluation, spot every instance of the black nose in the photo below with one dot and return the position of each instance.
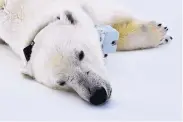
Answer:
(99, 96)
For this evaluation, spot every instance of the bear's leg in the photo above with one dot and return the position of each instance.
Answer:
(142, 35)
(145, 35)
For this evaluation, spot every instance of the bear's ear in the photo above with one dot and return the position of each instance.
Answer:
(28, 50)
(70, 17)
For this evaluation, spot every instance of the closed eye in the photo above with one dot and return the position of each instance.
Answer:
(81, 55)
(87, 72)
(61, 83)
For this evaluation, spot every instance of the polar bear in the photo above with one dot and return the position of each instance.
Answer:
(59, 46)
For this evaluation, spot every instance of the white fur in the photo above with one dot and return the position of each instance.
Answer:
(54, 56)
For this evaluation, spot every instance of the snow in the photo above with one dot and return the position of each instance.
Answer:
(146, 84)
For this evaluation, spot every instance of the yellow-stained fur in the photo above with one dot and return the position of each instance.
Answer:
(2, 2)
(133, 28)
(124, 28)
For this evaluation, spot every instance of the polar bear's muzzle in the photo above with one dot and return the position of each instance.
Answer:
(91, 87)
(100, 92)
(99, 96)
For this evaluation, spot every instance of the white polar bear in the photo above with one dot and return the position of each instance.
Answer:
(58, 43)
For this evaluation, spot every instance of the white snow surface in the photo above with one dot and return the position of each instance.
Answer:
(146, 84)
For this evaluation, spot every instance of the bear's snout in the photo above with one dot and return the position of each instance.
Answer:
(99, 96)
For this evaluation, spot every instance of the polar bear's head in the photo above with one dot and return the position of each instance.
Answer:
(69, 56)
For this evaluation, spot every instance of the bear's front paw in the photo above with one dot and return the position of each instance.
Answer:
(159, 30)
